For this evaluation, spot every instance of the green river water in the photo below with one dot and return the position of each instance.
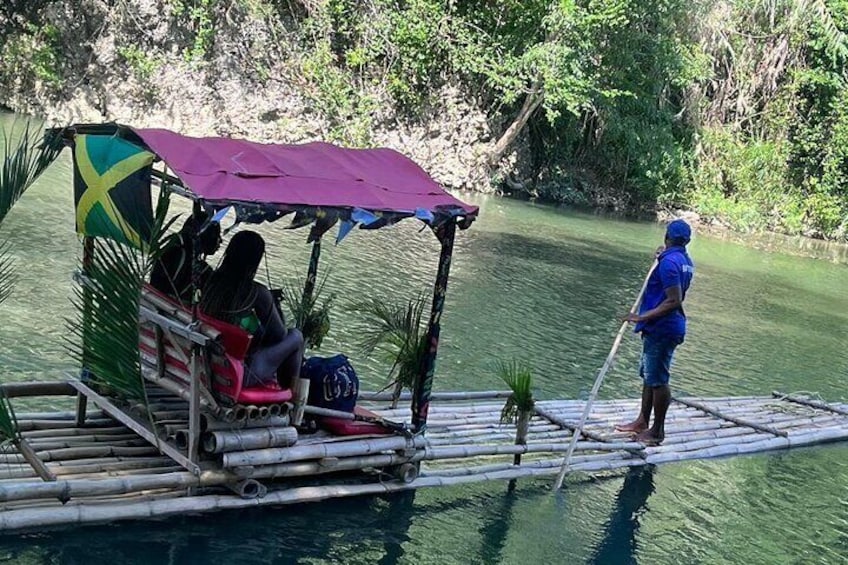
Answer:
(530, 282)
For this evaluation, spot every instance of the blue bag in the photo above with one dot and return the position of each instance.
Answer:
(332, 382)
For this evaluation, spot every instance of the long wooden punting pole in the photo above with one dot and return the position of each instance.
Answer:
(424, 383)
(600, 378)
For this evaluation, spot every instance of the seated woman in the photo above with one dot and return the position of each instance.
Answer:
(233, 296)
(172, 271)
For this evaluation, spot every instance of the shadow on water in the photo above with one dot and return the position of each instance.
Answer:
(496, 528)
(618, 544)
(590, 257)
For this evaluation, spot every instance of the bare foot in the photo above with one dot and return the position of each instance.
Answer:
(634, 426)
(648, 438)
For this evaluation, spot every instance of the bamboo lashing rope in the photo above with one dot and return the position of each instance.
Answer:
(600, 379)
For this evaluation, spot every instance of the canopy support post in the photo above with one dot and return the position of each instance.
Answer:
(312, 273)
(194, 398)
(424, 382)
(87, 259)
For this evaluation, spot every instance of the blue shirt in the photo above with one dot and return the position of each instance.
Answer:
(675, 269)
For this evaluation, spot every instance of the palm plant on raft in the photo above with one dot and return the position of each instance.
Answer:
(26, 153)
(9, 433)
(398, 334)
(311, 313)
(105, 332)
(518, 409)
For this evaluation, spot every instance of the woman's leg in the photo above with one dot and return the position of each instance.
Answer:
(289, 370)
(283, 358)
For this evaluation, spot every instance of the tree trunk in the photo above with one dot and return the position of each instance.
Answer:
(396, 394)
(521, 429)
(531, 103)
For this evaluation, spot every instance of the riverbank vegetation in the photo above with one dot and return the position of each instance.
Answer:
(735, 109)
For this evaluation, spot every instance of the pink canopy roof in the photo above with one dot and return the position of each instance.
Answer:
(313, 174)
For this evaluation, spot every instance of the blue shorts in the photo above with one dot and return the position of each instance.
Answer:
(657, 353)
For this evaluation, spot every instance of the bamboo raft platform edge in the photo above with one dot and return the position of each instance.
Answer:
(114, 466)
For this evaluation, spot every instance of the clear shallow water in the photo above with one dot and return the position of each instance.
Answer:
(535, 283)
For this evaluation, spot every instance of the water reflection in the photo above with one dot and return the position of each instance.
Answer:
(372, 530)
(619, 541)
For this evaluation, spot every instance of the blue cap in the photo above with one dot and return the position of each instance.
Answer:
(678, 230)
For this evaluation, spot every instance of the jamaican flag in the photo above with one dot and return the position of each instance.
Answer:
(112, 189)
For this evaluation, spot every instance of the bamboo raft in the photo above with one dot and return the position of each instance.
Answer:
(111, 464)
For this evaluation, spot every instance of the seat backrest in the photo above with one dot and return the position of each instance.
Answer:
(227, 367)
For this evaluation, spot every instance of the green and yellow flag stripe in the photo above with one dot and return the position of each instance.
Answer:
(112, 188)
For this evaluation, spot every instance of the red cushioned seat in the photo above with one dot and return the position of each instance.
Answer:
(227, 369)
(342, 427)
(264, 395)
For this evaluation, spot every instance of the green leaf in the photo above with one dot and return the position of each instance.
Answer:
(397, 333)
(517, 375)
(106, 329)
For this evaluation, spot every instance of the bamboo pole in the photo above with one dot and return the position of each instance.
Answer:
(37, 517)
(237, 413)
(330, 465)
(600, 378)
(35, 462)
(210, 425)
(565, 425)
(301, 395)
(249, 489)
(97, 451)
(58, 415)
(550, 463)
(809, 402)
(28, 518)
(29, 425)
(437, 396)
(319, 451)
(46, 388)
(207, 402)
(737, 421)
(73, 432)
(244, 440)
(77, 488)
(129, 440)
(179, 314)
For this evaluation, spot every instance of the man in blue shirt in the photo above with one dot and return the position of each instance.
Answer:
(662, 324)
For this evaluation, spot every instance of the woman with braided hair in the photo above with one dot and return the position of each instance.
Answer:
(231, 295)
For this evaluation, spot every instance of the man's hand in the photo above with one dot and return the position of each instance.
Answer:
(631, 317)
(659, 251)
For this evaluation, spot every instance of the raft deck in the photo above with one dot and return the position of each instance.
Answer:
(106, 470)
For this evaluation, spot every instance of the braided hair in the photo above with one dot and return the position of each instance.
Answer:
(230, 291)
